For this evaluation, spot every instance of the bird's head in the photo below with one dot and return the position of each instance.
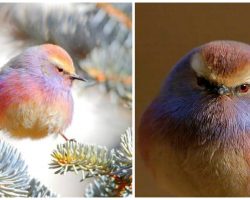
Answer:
(46, 62)
(223, 67)
(219, 68)
(60, 62)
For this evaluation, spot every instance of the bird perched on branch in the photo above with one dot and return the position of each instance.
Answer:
(35, 96)
(195, 136)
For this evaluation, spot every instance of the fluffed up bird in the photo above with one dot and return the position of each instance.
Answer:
(35, 92)
(195, 135)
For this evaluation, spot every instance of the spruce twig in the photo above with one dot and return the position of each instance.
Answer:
(14, 179)
(109, 186)
(112, 169)
(118, 183)
(111, 67)
(37, 189)
(73, 156)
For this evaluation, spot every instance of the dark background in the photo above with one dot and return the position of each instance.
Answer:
(166, 32)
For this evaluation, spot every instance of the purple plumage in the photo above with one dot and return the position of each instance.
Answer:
(194, 136)
(35, 92)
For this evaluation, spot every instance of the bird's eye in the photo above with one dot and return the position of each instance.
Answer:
(202, 82)
(244, 88)
(59, 69)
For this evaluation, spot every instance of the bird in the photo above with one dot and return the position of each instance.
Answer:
(35, 92)
(194, 137)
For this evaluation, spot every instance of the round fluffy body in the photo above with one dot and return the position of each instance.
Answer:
(35, 96)
(195, 139)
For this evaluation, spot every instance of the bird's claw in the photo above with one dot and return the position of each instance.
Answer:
(72, 140)
(68, 140)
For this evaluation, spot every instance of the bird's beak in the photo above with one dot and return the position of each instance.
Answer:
(223, 90)
(77, 77)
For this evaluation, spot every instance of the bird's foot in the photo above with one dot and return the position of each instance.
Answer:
(72, 140)
(67, 139)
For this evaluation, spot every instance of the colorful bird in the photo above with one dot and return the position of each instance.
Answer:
(35, 92)
(195, 136)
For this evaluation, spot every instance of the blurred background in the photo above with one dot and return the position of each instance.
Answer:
(165, 33)
(98, 37)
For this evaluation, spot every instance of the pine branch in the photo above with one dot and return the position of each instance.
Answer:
(39, 190)
(112, 169)
(73, 156)
(119, 182)
(111, 67)
(77, 27)
(124, 154)
(14, 179)
(109, 186)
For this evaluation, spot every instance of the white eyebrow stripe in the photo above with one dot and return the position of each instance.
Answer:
(247, 81)
(198, 65)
